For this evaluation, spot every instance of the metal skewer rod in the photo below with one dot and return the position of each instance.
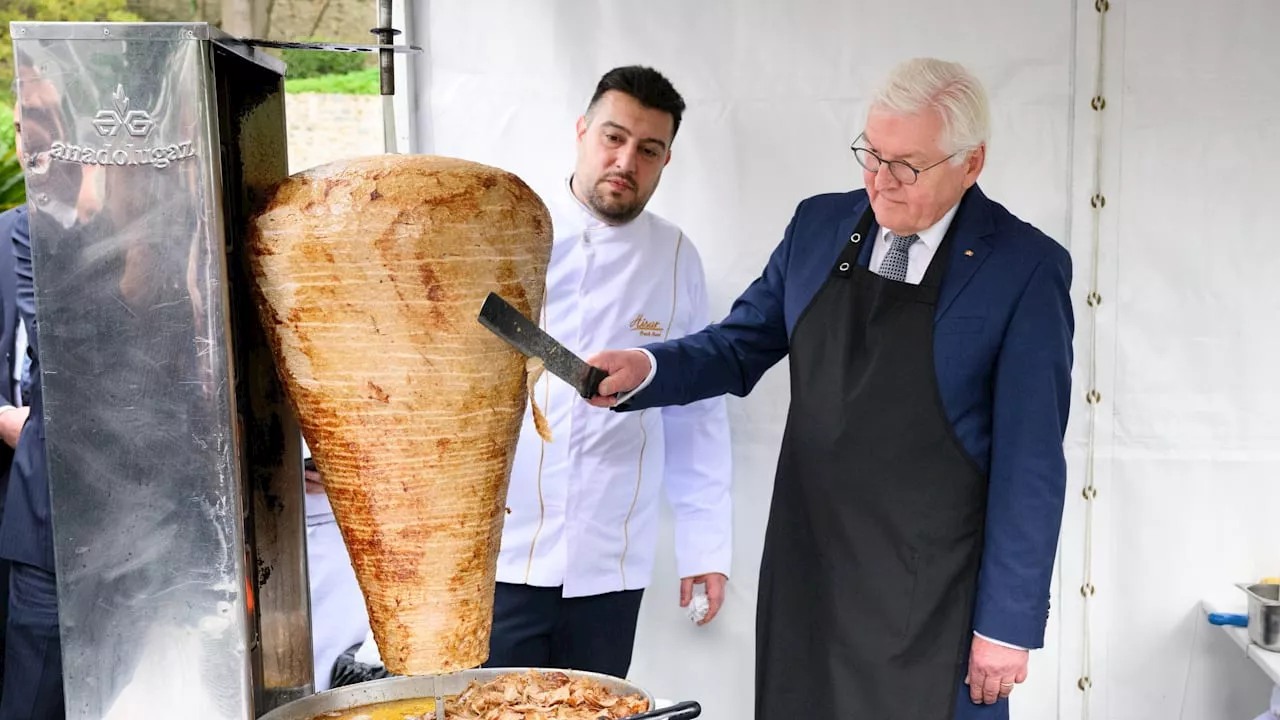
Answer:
(387, 74)
(439, 698)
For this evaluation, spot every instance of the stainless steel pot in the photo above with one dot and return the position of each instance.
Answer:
(1264, 615)
(350, 697)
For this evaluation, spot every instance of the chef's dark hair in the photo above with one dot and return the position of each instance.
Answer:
(648, 86)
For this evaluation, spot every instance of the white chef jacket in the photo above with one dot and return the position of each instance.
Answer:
(339, 616)
(583, 509)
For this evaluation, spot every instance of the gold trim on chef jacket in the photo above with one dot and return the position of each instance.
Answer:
(644, 436)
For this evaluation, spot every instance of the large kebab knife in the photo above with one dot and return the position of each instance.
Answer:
(524, 335)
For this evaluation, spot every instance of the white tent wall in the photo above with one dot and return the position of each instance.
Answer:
(1187, 350)
(1185, 450)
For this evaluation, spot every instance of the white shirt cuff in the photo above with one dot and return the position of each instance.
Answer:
(998, 642)
(653, 370)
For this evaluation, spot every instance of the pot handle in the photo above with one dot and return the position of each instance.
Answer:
(686, 710)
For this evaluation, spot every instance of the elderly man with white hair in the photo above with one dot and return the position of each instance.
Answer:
(920, 485)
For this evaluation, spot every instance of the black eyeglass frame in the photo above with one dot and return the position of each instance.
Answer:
(915, 172)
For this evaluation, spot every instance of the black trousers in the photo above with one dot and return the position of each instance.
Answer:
(537, 627)
(33, 650)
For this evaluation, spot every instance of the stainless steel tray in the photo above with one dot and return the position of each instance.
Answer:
(1264, 615)
(350, 697)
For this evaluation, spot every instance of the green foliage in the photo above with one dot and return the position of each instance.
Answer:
(6, 126)
(13, 187)
(13, 190)
(363, 82)
(315, 63)
(51, 10)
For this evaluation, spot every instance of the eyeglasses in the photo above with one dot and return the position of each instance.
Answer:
(901, 171)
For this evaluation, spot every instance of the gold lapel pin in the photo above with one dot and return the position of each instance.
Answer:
(968, 253)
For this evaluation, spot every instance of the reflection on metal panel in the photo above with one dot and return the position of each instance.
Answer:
(174, 462)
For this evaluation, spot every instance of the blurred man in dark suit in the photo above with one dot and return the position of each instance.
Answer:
(33, 652)
(13, 413)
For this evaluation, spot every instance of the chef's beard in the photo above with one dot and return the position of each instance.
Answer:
(615, 210)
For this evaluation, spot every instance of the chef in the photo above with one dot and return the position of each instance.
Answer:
(920, 485)
(581, 530)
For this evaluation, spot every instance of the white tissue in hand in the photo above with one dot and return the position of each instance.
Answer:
(699, 607)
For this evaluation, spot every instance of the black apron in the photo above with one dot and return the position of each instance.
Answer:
(875, 532)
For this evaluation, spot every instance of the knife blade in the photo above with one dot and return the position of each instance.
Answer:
(524, 335)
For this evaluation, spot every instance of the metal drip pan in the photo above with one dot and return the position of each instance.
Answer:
(350, 697)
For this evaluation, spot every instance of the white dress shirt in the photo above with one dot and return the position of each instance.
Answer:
(19, 361)
(19, 365)
(921, 251)
(583, 509)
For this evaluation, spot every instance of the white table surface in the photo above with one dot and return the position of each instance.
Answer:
(1267, 660)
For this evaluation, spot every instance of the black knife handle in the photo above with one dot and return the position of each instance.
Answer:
(591, 385)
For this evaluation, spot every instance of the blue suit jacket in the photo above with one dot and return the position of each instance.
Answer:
(9, 319)
(1003, 355)
(26, 531)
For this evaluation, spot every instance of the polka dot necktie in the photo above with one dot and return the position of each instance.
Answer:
(894, 265)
